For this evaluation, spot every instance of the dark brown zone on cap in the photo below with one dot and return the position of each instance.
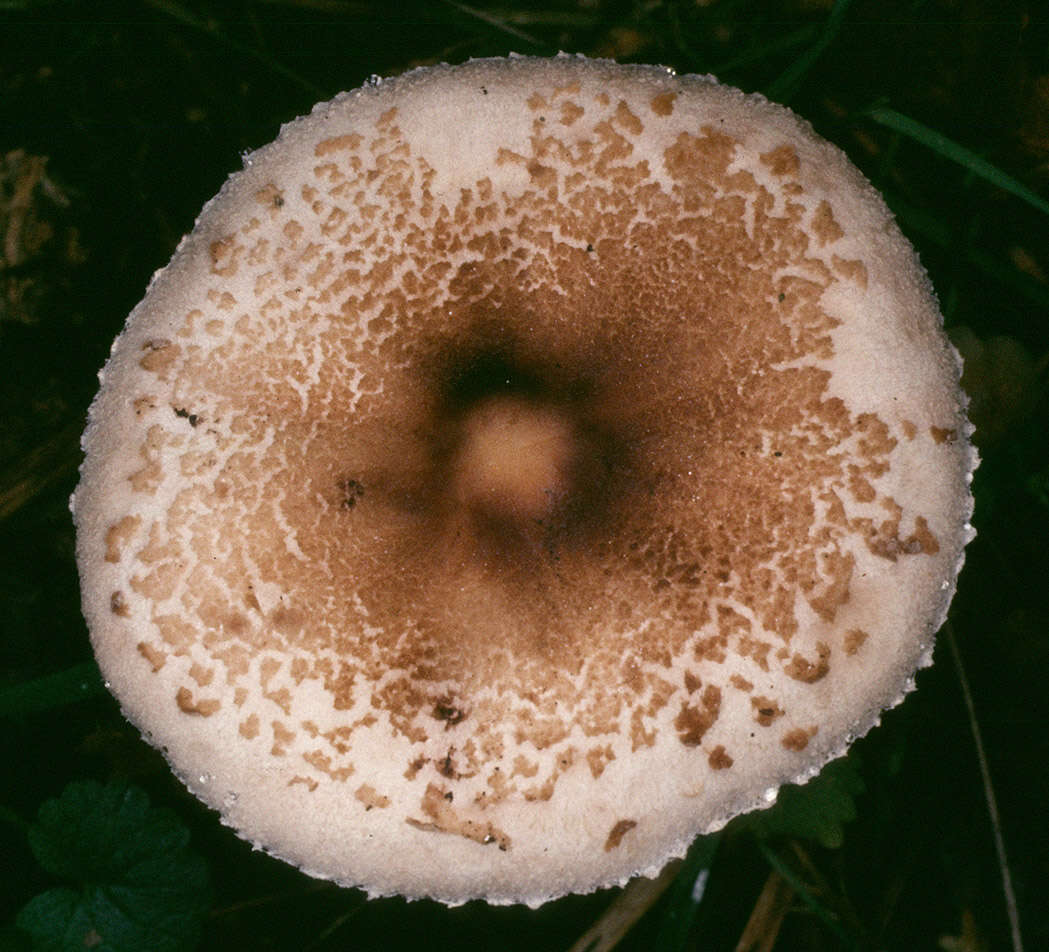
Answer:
(608, 473)
(503, 595)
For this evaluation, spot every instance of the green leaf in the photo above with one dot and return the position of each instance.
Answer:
(817, 810)
(58, 920)
(136, 884)
(78, 683)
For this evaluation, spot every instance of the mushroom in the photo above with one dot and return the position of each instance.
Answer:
(522, 468)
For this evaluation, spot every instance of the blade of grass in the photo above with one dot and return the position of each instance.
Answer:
(801, 890)
(1011, 909)
(934, 229)
(357, 906)
(176, 11)
(635, 899)
(954, 152)
(686, 894)
(783, 88)
(766, 48)
(496, 22)
(766, 918)
(45, 466)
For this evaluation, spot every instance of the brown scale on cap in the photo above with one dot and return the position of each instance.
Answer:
(470, 501)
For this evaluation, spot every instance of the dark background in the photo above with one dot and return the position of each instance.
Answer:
(118, 120)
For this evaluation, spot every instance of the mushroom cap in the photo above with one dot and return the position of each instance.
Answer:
(316, 580)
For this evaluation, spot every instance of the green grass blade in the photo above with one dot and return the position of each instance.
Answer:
(959, 154)
(177, 12)
(766, 49)
(499, 23)
(824, 914)
(1009, 894)
(931, 228)
(790, 80)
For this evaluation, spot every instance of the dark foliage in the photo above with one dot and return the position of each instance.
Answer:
(118, 119)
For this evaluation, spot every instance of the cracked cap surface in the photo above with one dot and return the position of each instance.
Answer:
(520, 469)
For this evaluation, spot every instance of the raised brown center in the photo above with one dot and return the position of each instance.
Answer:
(514, 461)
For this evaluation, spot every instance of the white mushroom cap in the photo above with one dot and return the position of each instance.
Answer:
(317, 581)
